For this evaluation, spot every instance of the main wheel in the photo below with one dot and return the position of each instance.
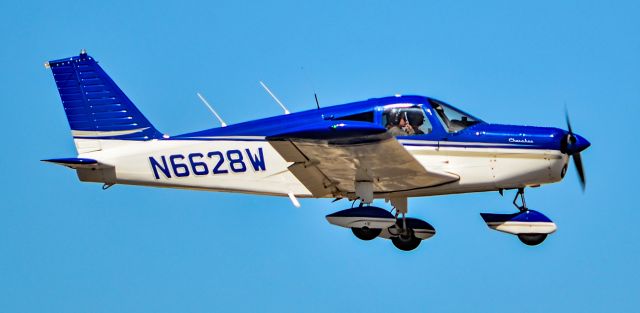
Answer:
(366, 233)
(406, 242)
(532, 239)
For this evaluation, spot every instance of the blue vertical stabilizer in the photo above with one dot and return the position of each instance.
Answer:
(95, 106)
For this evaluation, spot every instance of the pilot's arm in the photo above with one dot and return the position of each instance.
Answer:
(397, 131)
(408, 129)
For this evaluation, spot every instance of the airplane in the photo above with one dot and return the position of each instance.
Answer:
(391, 148)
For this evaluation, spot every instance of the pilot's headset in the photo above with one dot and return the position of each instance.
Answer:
(394, 116)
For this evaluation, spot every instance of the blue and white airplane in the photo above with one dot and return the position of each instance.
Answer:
(390, 148)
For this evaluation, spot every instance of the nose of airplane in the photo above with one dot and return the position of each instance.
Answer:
(580, 144)
(573, 143)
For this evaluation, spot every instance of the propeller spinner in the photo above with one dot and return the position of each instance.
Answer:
(572, 145)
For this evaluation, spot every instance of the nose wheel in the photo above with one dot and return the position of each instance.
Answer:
(532, 239)
(529, 239)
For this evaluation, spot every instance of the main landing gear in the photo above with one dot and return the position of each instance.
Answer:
(366, 233)
(531, 227)
(368, 222)
(403, 235)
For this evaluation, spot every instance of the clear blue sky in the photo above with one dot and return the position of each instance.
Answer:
(67, 246)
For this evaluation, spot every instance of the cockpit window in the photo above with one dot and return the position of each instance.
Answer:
(406, 121)
(452, 119)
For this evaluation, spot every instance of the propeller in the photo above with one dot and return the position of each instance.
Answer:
(572, 145)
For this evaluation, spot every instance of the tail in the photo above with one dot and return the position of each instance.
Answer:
(96, 108)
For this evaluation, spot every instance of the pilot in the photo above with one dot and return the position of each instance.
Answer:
(399, 125)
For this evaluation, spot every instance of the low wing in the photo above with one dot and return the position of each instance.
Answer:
(329, 157)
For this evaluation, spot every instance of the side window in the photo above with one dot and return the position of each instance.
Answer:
(406, 121)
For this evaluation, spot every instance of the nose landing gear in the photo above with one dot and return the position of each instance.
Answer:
(529, 239)
(531, 227)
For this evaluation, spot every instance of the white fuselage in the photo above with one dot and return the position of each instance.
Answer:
(251, 165)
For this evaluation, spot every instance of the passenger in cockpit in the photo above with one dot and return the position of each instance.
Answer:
(416, 119)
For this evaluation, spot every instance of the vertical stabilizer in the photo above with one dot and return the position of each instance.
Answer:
(95, 106)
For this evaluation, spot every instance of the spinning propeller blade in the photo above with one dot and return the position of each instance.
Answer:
(578, 162)
(573, 150)
(566, 116)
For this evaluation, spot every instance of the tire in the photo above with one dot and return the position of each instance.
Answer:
(366, 233)
(407, 242)
(532, 239)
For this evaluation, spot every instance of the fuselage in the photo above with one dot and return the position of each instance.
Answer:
(239, 158)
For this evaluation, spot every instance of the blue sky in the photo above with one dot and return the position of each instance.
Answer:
(67, 246)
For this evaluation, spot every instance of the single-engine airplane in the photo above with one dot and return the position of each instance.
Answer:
(390, 148)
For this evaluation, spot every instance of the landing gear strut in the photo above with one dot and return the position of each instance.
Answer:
(404, 237)
(520, 194)
(529, 239)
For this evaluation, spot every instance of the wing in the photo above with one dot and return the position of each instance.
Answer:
(329, 157)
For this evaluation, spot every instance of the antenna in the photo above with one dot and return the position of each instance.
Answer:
(211, 109)
(274, 98)
(294, 200)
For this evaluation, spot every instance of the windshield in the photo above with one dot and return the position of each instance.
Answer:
(452, 119)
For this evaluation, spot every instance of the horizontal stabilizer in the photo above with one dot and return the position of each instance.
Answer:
(77, 163)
